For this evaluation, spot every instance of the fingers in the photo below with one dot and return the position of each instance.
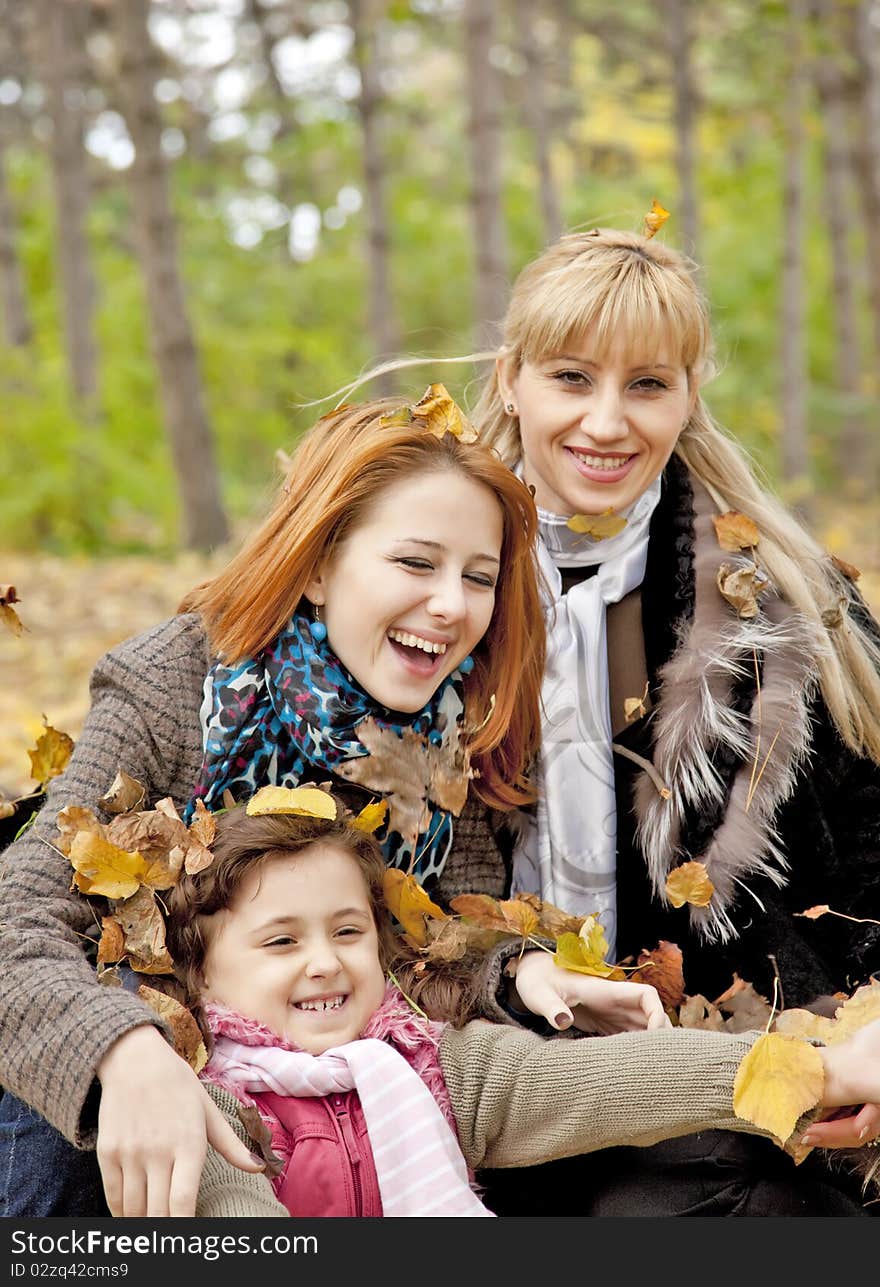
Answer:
(223, 1138)
(845, 1132)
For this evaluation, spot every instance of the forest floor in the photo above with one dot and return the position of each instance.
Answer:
(74, 608)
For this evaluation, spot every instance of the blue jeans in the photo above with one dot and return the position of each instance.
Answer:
(40, 1173)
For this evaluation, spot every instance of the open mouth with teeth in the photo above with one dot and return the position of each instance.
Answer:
(321, 1005)
(424, 656)
(605, 469)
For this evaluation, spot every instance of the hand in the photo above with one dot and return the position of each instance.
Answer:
(852, 1079)
(565, 997)
(154, 1126)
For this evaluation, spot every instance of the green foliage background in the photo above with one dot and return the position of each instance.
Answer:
(274, 333)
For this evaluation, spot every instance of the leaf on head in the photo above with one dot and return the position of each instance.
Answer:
(655, 218)
(409, 904)
(310, 802)
(371, 817)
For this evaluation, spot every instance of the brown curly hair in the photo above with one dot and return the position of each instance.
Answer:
(242, 844)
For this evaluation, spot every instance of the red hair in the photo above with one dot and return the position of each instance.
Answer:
(339, 470)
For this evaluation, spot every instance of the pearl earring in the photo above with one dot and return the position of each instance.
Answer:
(317, 629)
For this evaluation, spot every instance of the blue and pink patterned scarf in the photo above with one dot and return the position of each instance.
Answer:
(276, 718)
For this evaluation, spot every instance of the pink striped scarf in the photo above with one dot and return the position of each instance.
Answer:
(419, 1165)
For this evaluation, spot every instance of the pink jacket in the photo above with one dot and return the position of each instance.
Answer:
(329, 1169)
(322, 1140)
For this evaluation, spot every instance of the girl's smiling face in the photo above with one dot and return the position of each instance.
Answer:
(597, 428)
(298, 949)
(411, 590)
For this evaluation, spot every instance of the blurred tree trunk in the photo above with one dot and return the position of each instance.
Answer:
(60, 33)
(852, 452)
(189, 433)
(16, 321)
(678, 18)
(490, 244)
(866, 136)
(536, 114)
(565, 107)
(262, 18)
(366, 15)
(795, 379)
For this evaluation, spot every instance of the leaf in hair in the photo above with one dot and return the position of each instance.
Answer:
(655, 218)
(371, 817)
(409, 904)
(735, 531)
(740, 586)
(310, 802)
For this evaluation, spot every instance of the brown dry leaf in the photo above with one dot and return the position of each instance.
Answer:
(741, 588)
(735, 531)
(480, 909)
(261, 1137)
(408, 902)
(689, 883)
(552, 921)
(73, 819)
(125, 794)
(698, 1012)
(599, 526)
(7, 808)
(102, 868)
(803, 1023)
(849, 570)
(308, 801)
(813, 913)
(861, 1008)
(655, 218)
(833, 618)
(662, 968)
(519, 918)
(184, 1030)
(407, 771)
(111, 945)
(746, 1008)
(634, 708)
(8, 615)
(440, 415)
(447, 940)
(159, 834)
(50, 755)
(371, 817)
(143, 927)
(201, 834)
(779, 1080)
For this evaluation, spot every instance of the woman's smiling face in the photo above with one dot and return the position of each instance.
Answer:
(596, 427)
(411, 589)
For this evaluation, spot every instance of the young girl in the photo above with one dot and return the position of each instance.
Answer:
(283, 944)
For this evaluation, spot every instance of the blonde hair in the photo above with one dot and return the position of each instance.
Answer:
(338, 471)
(620, 282)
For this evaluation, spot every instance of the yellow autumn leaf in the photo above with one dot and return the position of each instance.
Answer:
(8, 615)
(599, 526)
(311, 802)
(585, 952)
(371, 817)
(803, 1023)
(689, 883)
(519, 917)
(735, 531)
(102, 868)
(779, 1080)
(50, 755)
(655, 218)
(408, 902)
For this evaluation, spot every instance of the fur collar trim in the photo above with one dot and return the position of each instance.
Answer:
(694, 716)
